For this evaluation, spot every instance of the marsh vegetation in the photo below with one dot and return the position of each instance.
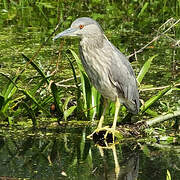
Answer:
(48, 106)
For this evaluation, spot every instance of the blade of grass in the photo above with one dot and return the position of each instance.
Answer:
(78, 61)
(30, 113)
(54, 90)
(151, 112)
(65, 105)
(74, 72)
(87, 92)
(34, 90)
(10, 89)
(96, 103)
(155, 98)
(68, 112)
(79, 108)
(143, 9)
(26, 93)
(168, 175)
(145, 68)
(85, 84)
(1, 102)
(36, 68)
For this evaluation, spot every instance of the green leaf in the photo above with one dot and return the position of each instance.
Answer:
(39, 84)
(145, 68)
(65, 105)
(96, 96)
(143, 9)
(8, 91)
(85, 84)
(152, 113)
(78, 61)
(30, 113)
(46, 5)
(11, 88)
(145, 150)
(56, 99)
(33, 100)
(74, 72)
(68, 112)
(155, 98)
(168, 175)
(79, 109)
(36, 68)
(1, 102)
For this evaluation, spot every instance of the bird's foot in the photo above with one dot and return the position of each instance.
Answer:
(106, 134)
(111, 132)
(97, 131)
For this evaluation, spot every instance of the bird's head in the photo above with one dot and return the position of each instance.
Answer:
(82, 27)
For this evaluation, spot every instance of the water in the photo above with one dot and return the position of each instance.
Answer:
(63, 152)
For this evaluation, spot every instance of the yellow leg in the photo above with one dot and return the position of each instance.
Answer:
(99, 127)
(113, 127)
(117, 106)
(108, 130)
(103, 114)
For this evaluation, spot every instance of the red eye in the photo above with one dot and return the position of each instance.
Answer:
(81, 26)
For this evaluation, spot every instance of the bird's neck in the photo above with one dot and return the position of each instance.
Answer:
(92, 42)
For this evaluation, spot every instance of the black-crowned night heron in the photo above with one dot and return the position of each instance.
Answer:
(107, 68)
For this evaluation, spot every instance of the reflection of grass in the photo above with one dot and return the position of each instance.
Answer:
(47, 152)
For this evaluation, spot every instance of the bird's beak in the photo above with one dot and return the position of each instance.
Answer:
(67, 32)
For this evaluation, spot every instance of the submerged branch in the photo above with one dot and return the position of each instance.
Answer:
(138, 129)
(162, 118)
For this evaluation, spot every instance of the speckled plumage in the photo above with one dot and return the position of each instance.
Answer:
(107, 68)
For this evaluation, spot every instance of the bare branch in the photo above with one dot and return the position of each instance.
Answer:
(157, 88)
(156, 38)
